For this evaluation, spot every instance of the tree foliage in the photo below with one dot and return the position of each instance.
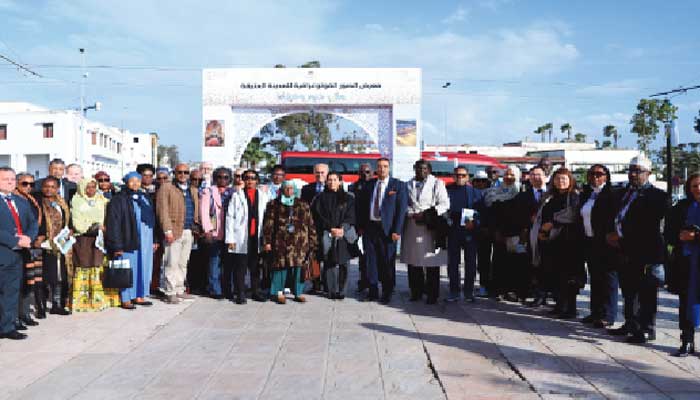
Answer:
(645, 122)
(566, 128)
(684, 157)
(579, 138)
(611, 131)
(256, 152)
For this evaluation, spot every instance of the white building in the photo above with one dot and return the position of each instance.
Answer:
(31, 136)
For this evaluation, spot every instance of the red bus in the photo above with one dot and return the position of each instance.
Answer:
(300, 164)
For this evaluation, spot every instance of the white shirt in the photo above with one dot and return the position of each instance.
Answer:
(379, 193)
(587, 211)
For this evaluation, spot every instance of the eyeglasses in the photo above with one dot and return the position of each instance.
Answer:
(461, 175)
(223, 177)
(277, 174)
(196, 180)
(249, 178)
(598, 174)
(162, 178)
(103, 180)
(182, 172)
(26, 183)
(147, 175)
(366, 172)
(237, 175)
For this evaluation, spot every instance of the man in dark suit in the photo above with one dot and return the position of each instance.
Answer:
(57, 169)
(462, 234)
(18, 228)
(637, 233)
(362, 215)
(387, 212)
(308, 194)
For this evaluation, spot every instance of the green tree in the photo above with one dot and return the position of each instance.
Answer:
(579, 137)
(606, 144)
(548, 127)
(611, 131)
(566, 128)
(257, 152)
(645, 122)
(540, 131)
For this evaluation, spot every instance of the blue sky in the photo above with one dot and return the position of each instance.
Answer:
(513, 64)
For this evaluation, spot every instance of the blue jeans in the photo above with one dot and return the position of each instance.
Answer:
(215, 251)
(457, 241)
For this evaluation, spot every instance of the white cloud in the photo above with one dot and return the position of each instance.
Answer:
(494, 5)
(623, 87)
(459, 15)
(374, 27)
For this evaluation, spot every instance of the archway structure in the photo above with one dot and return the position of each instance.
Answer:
(237, 103)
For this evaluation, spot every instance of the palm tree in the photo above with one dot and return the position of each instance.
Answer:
(540, 131)
(548, 127)
(611, 131)
(566, 128)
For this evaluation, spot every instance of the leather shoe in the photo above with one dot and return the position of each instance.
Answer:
(637, 338)
(58, 311)
(28, 321)
(601, 323)
(589, 319)
(386, 298)
(13, 335)
(300, 299)
(621, 331)
(685, 349)
(144, 303)
(20, 326)
(241, 300)
(258, 297)
(129, 306)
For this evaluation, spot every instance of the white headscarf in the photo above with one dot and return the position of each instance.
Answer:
(503, 192)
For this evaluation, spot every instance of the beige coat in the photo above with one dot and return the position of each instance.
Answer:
(170, 208)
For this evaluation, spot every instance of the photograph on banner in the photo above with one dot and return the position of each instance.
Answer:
(214, 133)
(406, 133)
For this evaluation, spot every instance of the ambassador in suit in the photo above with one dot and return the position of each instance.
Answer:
(387, 212)
(637, 232)
(66, 188)
(18, 227)
(308, 194)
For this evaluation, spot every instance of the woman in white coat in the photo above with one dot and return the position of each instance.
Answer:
(244, 222)
(418, 250)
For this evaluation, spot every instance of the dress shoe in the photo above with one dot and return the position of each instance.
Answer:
(28, 321)
(144, 303)
(685, 349)
(431, 300)
(536, 302)
(601, 323)
(621, 331)
(58, 310)
(511, 297)
(258, 297)
(637, 338)
(13, 335)
(129, 306)
(589, 319)
(19, 326)
(300, 299)
(386, 298)
(241, 300)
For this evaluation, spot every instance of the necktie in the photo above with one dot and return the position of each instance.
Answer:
(15, 215)
(375, 208)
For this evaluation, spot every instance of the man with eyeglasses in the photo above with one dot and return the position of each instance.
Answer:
(278, 174)
(362, 215)
(104, 184)
(197, 266)
(162, 176)
(147, 172)
(244, 221)
(177, 209)
(213, 205)
(238, 183)
(637, 234)
(206, 169)
(308, 194)
(465, 204)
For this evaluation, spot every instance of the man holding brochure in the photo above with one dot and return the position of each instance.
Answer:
(465, 202)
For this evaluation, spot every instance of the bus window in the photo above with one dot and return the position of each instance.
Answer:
(443, 168)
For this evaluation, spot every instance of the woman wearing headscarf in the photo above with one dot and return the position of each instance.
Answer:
(682, 232)
(509, 251)
(104, 185)
(560, 239)
(56, 217)
(289, 241)
(129, 235)
(334, 214)
(32, 271)
(426, 194)
(88, 214)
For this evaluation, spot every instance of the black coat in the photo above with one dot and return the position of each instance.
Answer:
(329, 212)
(642, 242)
(121, 230)
(565, 251)
(603, 222)
(308, 192)
(678, 268)
(361, 209)
(69, 189)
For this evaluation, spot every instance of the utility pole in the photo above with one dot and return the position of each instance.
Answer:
(667, 129)
(81, 139)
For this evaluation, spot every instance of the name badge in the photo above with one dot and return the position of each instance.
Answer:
(290, 228)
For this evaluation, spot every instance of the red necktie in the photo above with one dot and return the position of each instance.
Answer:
(15, 216)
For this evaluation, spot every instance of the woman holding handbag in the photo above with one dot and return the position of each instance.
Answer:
(88, 214)
(334, 213)
(289, 241)
(129, 236)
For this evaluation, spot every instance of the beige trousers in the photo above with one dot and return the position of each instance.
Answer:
(175, 259)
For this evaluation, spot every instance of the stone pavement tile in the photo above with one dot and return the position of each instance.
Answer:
(355, 384)
(637, 396)
(558, 383)
(107, 393)
(683, 395)
(592, 396)
(70, 377)
(263, 346)
(299, 362)
(229, 384)
(542, 361)
(178, 383)
(303, 385)
(31, 368)
(404, 362)
(619, 382)
(418, 385)
(248, 363)
(671, 379)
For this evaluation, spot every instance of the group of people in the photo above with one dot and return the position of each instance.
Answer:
(205, 230)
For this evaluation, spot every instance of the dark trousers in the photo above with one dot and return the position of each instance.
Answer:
(10, 277)
(685, 322)
(233, 278)
(604, 285)
(198, 269)
(427, 281)
(483, 254)
(335, 277)
(457, 243)
(640, 291)
(363, 282)
(381, 257)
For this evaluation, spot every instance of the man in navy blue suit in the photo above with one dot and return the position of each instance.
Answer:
(18, 228)
(388, 201)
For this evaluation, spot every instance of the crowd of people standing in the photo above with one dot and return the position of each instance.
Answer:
(534, 238)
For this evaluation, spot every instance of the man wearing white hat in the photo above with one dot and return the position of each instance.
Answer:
(483, 254)
(637, 233)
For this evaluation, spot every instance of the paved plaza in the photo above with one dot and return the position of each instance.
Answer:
(208, 349)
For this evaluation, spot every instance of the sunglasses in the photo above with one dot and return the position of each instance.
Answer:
(277, 174)
(147, 175)
(461, 175)
(223, 177)
(26, 183)
(366, 172)
(182, 172)
(162, 178)
(196, 180)
(237, 175)
(598, 174)
(102, 180)
(249, 178)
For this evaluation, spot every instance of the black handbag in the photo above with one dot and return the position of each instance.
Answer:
(438, 225)
(118, 275)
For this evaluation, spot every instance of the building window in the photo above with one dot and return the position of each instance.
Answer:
(3, 132)
(136, 140)
(119, 148)
(93, 134)
(48, 131)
